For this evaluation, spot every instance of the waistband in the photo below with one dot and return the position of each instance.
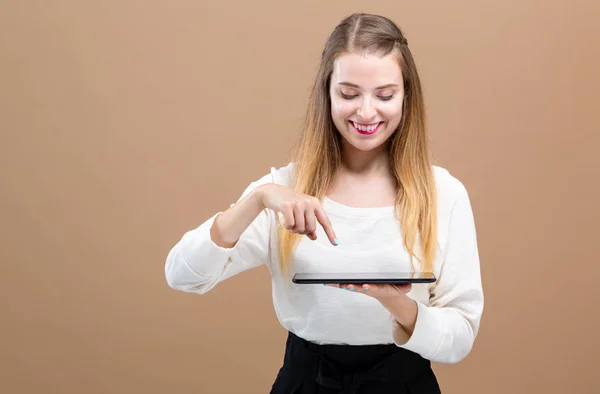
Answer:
(347, 367)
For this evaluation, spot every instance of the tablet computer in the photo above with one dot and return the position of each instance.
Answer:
(363, 277)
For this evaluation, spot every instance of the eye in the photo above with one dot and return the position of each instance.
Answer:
(386, 95)
(349, 96)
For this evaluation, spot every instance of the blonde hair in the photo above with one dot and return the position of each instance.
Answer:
(317, 153)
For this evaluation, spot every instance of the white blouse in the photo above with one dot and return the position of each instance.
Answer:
(370, 240)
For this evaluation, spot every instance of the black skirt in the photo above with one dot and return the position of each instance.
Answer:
(309, 368)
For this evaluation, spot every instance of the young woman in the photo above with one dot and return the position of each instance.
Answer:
(359, 195)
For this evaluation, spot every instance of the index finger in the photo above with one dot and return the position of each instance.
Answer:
(324, 220)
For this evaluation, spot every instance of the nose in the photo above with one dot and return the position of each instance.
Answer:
(366, 111)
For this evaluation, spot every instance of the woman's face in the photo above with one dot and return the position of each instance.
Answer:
(366, 92)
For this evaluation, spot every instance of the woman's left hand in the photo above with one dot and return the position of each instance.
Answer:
(378, 291)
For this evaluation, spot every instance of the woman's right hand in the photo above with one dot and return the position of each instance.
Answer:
(299, 212)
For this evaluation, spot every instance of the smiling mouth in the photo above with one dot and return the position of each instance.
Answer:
(365, 128)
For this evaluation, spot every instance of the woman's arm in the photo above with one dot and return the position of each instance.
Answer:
(444, 331)
(228, 226)
(224, 245)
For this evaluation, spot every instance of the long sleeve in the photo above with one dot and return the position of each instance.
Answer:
(196, 264)
(445, 329)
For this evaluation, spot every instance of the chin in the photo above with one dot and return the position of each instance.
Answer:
(366, 146)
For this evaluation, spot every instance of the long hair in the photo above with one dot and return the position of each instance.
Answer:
(318, 151)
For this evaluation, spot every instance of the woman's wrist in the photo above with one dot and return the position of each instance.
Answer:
(404, 309)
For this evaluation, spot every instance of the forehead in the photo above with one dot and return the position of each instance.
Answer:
(366, 71)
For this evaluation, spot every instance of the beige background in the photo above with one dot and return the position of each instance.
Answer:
(125, 123)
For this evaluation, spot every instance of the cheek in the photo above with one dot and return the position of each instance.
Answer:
(342, 109)
(391, 111)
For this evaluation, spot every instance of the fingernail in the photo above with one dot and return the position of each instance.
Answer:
(343, 287)
(335, 241)
(365, 288)
(351, 288)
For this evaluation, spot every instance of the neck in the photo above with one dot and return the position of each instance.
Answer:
(359, 162)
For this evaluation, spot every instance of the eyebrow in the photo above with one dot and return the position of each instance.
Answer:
(352, 85)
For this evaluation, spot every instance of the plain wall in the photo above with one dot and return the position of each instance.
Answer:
(126, 123)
